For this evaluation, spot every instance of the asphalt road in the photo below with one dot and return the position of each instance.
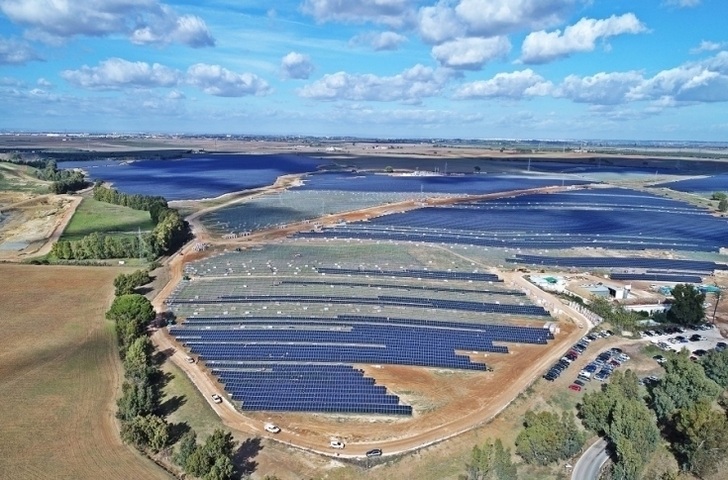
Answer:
(589, 464)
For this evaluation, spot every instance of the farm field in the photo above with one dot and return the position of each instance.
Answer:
(94, 216)
(59, 374)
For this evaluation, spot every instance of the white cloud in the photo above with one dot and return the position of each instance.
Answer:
(395, 13)
(143, 21)
(379, 41)
(542, 46)
(410, 86)
(221, 82)
(705, 81)
(43, 83)
(515, 85)
(681, 3)
(497, 17)
(15, 52)
(708, 46)
(470, 53)
(439, 23)
(602, 88)
(169, 28)
(297, 66)
(116, 73)
(176, 95)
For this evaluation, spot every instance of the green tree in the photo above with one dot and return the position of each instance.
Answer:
(687, 307)
(723, 205)
(718, 196)
(148, 431)
(187, 446)
(213, 457)
(138, 361)
(715, 365)
(491, 462)
(131, 314)
(702, 437)
(136, 400)
(683, 385)
(547, 438)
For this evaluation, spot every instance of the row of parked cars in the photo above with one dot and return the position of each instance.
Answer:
(577, 349)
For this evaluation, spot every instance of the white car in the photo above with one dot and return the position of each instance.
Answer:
(216, 398)
(336, 444)
(189, 360)
(272, 428)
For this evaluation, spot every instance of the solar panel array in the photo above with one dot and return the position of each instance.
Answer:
(304, 363)
(609, 218)
(654, 264)
(656, 277)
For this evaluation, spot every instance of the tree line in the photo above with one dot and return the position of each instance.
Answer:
(62, 181)
(138, 409)
(170, 231)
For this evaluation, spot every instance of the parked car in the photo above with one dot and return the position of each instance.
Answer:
(696, 338)
(336, 444)
(659, 359)
(720, 346)
(579, 382)
(216, 398)
(189, 360)
(575, 387)
(272, 428)
(375, 452)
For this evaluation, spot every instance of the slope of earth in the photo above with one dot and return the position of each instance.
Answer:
(60, 374)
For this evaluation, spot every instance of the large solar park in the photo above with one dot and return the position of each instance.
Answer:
(295, 326)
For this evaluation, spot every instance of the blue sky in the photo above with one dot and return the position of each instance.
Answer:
(551, 69)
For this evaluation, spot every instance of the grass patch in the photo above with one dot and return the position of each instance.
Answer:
(19, 178)
(94, 216)
(189, 406)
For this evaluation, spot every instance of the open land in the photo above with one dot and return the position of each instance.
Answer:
(60, 375)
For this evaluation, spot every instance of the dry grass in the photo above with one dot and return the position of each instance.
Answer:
(59, 377)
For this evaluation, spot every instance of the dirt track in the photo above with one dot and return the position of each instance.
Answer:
(470, 403)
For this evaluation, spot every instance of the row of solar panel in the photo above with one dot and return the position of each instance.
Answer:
(391, 337)
(656, 277)
(363, 320)
(520, 242)
(380, 301)
(621, 262)
(406, 273)
(343, 407)
(404, 287)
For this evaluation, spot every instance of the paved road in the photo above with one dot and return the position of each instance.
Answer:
(589, 465)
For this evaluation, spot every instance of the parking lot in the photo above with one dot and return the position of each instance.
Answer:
(694, 340)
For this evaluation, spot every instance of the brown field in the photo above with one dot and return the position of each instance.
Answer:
(59, 376)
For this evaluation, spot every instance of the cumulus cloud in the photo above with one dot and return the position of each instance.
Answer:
(602, 89)
(411, 86)
(15, 52)
(221, 82)
(470, 53)
(439, 23)
(515, 85)
(705, 81)
(143, 21)
(296, 66)
(497, 17)
(169, 28)
(379, 41)
(542, 46)
(116, 73)
(708, 46)
(389, 12)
